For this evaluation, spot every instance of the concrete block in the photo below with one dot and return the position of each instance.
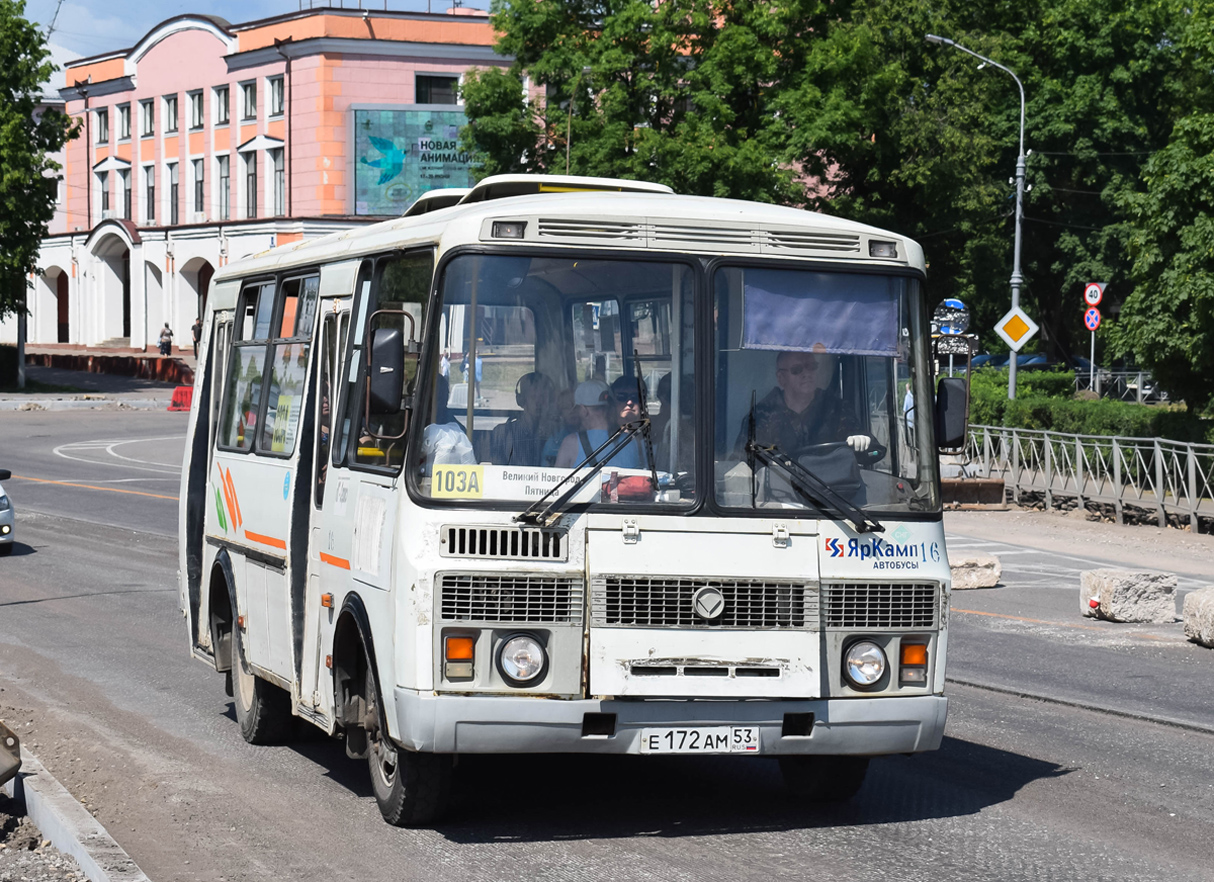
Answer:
(1198, 615)
(975, 571)
(1128, 596)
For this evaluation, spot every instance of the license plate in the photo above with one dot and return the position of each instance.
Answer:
(701, 739)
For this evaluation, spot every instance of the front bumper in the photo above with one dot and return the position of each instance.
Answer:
(508, 724)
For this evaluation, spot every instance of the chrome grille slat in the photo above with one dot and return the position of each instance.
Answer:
(879, 605)
(519, 598)
(502, 543)
(666, 602)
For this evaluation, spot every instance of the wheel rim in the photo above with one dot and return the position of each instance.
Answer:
(244, 683)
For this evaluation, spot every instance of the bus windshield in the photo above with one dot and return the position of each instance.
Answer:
(819, 372)
(540, 361)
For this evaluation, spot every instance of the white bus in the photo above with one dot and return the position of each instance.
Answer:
(574, 465)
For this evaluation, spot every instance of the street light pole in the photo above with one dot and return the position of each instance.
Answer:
(1017, 279)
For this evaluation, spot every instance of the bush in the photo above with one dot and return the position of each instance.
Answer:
(1046, 401)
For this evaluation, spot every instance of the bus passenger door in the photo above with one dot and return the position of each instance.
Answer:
(327, 567)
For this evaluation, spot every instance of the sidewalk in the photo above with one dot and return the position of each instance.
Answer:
(89, 390)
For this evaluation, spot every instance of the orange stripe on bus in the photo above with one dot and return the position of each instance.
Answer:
(340, 562)
(235, 499)
(266, 540)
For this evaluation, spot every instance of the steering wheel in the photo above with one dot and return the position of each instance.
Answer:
(870, 457)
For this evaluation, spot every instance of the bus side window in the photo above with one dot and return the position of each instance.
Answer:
(324, 418)
(347, 409)
(288, 364)
(246, 366)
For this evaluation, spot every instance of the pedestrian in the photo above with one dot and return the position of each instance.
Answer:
(166, 340)
(197, 329)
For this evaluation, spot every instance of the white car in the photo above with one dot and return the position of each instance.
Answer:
(6, 516)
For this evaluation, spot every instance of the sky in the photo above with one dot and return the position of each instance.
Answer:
(90, 27)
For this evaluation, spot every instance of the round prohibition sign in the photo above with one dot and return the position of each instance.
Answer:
(1093, 294)
(1091, 319)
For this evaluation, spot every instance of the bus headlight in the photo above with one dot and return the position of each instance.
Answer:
(522, 660)
(864, 663)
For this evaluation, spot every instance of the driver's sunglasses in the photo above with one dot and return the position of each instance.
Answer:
(797, 369)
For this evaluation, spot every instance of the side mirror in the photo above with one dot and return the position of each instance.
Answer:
(952, 413)
(386, 384)
(5, 474)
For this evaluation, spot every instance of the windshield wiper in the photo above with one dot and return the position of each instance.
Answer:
(620, 440)
(813, 488)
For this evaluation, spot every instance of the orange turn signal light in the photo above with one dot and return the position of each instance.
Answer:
(326, 600)
(914, 654)
(460, 648)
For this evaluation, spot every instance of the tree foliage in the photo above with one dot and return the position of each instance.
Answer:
(28, 179)
(842, 107)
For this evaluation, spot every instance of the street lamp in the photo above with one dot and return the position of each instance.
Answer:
(569, 120)
(1017, 279)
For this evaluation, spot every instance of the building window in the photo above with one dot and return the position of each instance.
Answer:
(148, 112)
(103, 126)
(198, 182)
(280, 183)
(250, 181)
(437, 90)
(196, 117)
(124, 177)
(170, 113)
(222, 112)
(277, 98)
(103, 186)
(149, 193)
(172, 170)
(225, 187)
(124, 122)
(249, 93)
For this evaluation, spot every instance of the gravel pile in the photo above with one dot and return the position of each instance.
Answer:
(25, 856)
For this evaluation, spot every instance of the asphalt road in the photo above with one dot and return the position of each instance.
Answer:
(94, 671)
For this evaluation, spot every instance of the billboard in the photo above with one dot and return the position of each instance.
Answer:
(400, 154)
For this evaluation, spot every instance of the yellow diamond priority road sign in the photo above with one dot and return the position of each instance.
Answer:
(1016, 328)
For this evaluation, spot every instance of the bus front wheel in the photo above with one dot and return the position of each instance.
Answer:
(410, 788)
(824, 778)
(262, 709)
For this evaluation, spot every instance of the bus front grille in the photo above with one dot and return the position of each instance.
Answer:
(669, 602)
(518, 598)
(879, 605)
(503, 543)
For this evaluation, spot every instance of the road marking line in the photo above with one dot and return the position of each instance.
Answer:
(91, 487)
(974, 612)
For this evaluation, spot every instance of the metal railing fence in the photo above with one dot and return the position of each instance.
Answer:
(1137, 386)
(1154, 474)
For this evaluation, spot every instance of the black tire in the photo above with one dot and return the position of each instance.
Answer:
(824, 778)
(262, 709)
(411, 788)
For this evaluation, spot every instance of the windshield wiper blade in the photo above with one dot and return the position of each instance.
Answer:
(814, 488)
(544, 518)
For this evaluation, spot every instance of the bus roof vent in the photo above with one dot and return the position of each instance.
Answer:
(505, 186)
(596, 230)
(704, 238)
(811, 240)
(503, 543)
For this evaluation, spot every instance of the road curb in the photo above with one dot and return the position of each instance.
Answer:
(91, 403)
(1083, 705)
(68, 826)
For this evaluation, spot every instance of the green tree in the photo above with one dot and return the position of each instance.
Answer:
(28, 179)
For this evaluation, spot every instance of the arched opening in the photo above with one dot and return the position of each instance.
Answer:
(50, 312)
(196, 273)
(114, 289)
(64, 329)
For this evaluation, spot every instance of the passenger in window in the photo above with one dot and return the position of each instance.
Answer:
(802, 410)
(520, 440)
(593, 401)
(444, 441)
(566, 419)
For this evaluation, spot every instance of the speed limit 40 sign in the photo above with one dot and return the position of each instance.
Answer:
(1093, 292)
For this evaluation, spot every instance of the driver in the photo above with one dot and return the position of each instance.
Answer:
(802, 410)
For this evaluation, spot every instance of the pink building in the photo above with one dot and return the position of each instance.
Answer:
(208, 141)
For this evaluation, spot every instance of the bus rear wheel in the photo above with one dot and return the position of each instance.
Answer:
(824, 778)
(262, 709)
(411, 788)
